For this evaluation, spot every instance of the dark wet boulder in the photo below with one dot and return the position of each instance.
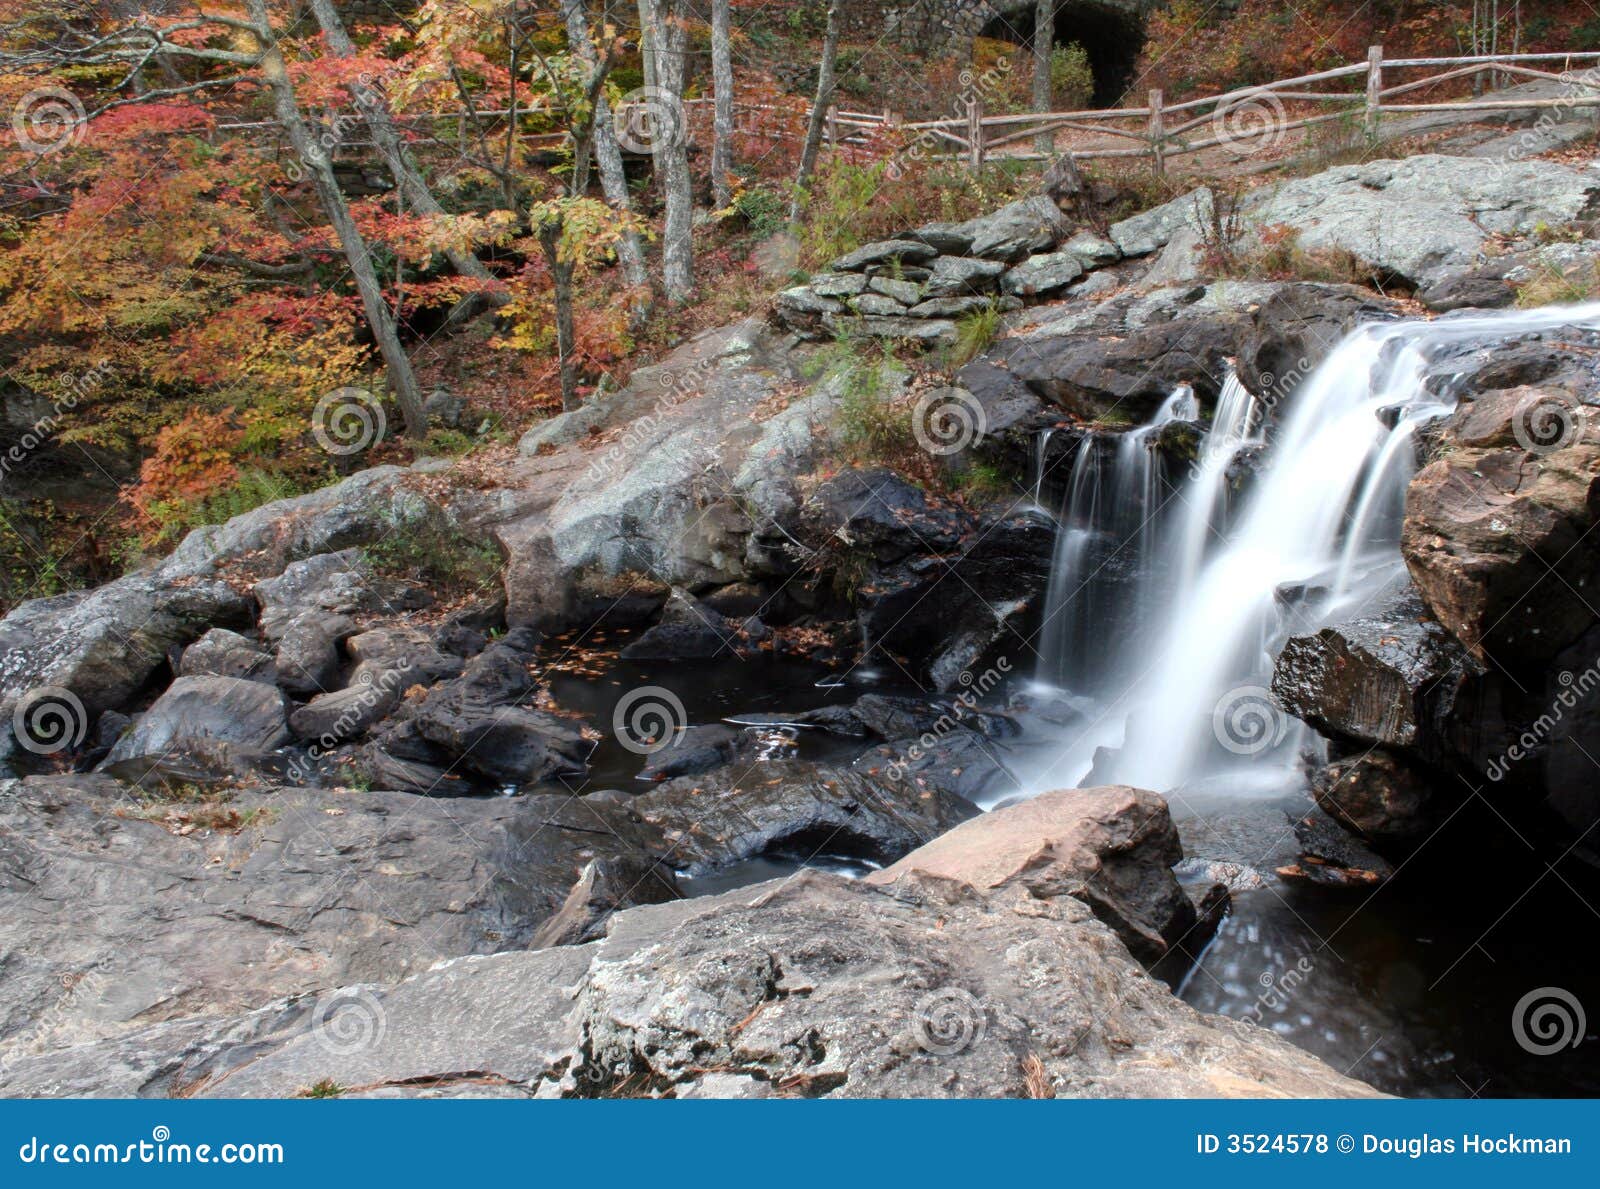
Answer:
(694, 750)
(1391, 677)
(247, 715)
(959, 762)
(1330, 856)
(1481, 288)
(1382, 798)
(794, 809)
(478, 722)
(687, 630)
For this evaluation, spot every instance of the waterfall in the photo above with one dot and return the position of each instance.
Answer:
(1114, 491)
(1176, 653)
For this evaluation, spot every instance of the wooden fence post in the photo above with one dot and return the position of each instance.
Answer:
(975, 134)
(1374, 90)
(1158, 133)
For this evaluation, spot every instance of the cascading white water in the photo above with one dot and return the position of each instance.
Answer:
(1114, 491)
(1179, 677)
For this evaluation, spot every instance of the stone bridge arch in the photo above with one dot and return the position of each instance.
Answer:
(1111, 31)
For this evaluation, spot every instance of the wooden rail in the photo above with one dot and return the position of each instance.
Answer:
(1248, 119)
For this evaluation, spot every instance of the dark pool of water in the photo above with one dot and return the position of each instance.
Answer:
(710, 691)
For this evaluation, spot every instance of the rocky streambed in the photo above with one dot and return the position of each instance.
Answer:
(470, 779)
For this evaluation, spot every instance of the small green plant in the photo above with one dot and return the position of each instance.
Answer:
(430, 549)
(871, 424)
(1071, 78)
(447, 443)
(323, 1088)
(763, 210)
(253, 488)
(986, 480)
(974, 332)
(1553, 286)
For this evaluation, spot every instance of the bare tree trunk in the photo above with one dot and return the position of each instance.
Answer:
(607, 155)
(561, 278)
(286, 107)
(408, 179)
(722, 116)
(647, 44)
(1044, 35)
(669, 145)
(819, 109)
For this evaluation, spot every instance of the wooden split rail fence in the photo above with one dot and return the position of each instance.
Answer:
(1246, 120)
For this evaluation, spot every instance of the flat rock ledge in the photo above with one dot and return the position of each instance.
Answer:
(813, 986)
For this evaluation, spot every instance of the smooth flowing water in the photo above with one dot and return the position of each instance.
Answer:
(1172, 593)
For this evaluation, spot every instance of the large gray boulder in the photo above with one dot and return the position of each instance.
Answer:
(1016, 230)
(808, 987)
(1113, 848)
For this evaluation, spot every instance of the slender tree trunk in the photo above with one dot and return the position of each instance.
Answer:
(669, 38)
(286, 107)
(1044, 35)
(819, 109)
(408, 178)
(647, 42)
(607, 155)
(722, 117)
(566, 339)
